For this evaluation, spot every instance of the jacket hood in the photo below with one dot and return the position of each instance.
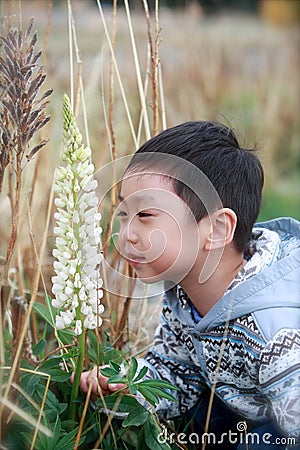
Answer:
(272, 294)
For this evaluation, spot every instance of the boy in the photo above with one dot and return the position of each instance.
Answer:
(188, 203)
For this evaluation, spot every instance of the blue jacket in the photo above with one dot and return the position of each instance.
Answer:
(248, 345)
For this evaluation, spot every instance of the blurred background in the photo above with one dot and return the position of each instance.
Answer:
(236, 61)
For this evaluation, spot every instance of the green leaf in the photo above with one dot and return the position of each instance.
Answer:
(136, 417)
(110, 353)
(53, 407)
(132, 368)
(49, 443)
(164, 394)
(29, 381)
(67, 442)
(151, 432)
(61, 440)
(132, 389)
(52, 367)
(141, 374)
(141, 439)
(108, 372)
(94, 350)
(66, 336)
(38, 348)
(117, 379)
(59, 375)
(56, 431)
(153, 389)
(149, 395)
(43, 311)
(129, 436)
(126, 404)
(115, 366)
(52, 361)
(68, 425)
(93, 341)
(159, 384)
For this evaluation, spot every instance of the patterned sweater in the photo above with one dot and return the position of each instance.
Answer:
(251, 337)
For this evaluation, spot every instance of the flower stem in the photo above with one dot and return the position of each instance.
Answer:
(76, 382)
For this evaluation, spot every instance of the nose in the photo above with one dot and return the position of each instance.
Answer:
(128, 232)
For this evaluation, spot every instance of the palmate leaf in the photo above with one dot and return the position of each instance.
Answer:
(152, 389)
(67, 442)
(49, 443)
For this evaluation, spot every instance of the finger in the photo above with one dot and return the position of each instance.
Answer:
(85, 381)
(99, 382)
(116, 387)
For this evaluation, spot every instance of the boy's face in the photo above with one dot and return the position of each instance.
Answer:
(158, 234)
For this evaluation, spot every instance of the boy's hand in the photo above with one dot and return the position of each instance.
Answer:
(99, 383)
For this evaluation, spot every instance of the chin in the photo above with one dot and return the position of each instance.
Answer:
(151, 280)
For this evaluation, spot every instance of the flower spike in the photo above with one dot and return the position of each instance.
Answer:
(77, 283)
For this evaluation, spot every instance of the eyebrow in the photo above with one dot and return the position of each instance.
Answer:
(138, 196)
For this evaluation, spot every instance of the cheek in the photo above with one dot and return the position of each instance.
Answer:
(157, 242)
(165, 245)
(181, 250)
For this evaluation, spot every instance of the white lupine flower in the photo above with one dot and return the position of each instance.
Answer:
(76, 285)
(78, 327)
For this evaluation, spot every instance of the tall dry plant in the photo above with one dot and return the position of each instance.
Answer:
(22, 116)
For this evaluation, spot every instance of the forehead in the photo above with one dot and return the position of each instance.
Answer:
(143, 185)
(146, 190)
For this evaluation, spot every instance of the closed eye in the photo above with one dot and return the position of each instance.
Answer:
(143, 214)
(121, 214)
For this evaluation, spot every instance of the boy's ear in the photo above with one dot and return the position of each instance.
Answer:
(223, 224)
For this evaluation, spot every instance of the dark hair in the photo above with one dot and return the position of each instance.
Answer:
(236, 173)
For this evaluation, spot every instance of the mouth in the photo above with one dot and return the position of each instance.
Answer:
(135, 260)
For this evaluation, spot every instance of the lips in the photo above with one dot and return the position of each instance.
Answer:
(135, 260)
